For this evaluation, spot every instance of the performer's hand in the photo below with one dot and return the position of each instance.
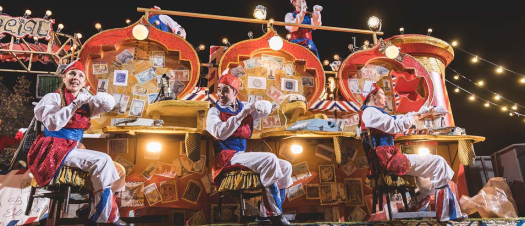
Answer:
(81, 99)
(423, 110)
(248, 109)
(316, 15)
(300, 17)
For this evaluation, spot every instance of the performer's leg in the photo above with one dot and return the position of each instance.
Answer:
(120, 183)
(98, 164)
(437, 169)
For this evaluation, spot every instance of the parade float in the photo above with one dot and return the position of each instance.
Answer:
(157, 130)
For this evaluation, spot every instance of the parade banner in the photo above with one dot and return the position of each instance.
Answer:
(15, 186)
(21, 27)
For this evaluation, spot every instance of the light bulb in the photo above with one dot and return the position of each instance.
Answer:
(48, 13)
(392, 52)
(504, 109)
(79, 36)
(202, 47)
(336, 57)
(456, 77)
(154, 147)
(157, 23)
(28, 13)
(481, 83)
(500, 69)
(276, 43)
(259, 12)
(326, 62)
(297, 149)
(1, 8)
(423, 151)
(472, 97)
(128, 21)
(288, 36)
(98, 26)
(140, 32)
(487, 104)
(515, 107)
(271, 21)
(401, 30)
(497, 97)
(224, 41)
(60, 26)
(35, 39)
(456, 90)
(454, 43)
(511, 114)
(522, 80)
(374, 23)
(429, 31)
(475, 59)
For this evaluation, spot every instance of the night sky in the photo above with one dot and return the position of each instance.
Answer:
(491, 30)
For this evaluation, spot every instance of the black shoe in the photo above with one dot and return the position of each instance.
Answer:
(119, 222)
(83, 212)
(279, 220)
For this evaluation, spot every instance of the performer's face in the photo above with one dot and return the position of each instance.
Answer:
(379, 99)
(74, 80)
(226, 94)
(300, 5)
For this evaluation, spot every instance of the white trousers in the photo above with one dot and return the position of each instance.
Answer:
(106, 178)
(273, 172)
(432, 171)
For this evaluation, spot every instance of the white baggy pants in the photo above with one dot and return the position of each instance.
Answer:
(105, 179)
(275, 173)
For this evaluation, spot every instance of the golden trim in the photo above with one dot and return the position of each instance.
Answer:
(422, 39)
(132, 130)
(306, 134)
(443, 138)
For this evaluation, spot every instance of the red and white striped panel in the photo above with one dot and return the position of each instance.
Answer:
(330, 105)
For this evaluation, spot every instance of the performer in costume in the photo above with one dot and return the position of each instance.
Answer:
(231, 123)
(166, 24)
(432, 171)
(303, 36)
(65, 115)
(6, 141)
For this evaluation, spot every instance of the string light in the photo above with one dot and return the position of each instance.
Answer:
(497, 97)
(128, 21)
(487, 103)
(454, 43)
(515, 107)
(401, 30)
(475, 59)
(481, 83)
(456, 77)
(336, 57)
(456, 90)
(326, 62)
(499, 70)
(511, 114)
(522, 80)
(498, 66)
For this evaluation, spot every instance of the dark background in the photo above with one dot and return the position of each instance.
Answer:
(491, 30)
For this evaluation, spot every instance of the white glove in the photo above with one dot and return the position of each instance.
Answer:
(423, 110)
(103, 100)
(441, 110)
(81, 99)
(248, 109)
(263, 107)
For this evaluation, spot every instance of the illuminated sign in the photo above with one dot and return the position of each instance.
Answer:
(20, 27)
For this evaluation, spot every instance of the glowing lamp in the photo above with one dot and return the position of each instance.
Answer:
(259, 12)
(487, 104)
(456, 90)
(98, 26)
(35, 39)
(154, 147)
(497, 97)
(392, 52)
(140, 32)
(401, 30)
(128, 21)
(1, 9)
(510, 114)
(276, 43)
(288, 36)
(504, 109)
(336, 57)
(202, 47)
(48, 14)
(429, 31)
(326, 62)
(456, 77)
(297, 149)
(225, 41)
(481, 83)
(454, 43)
(500, 69)
(515, 107)
(423, 151)
(79, 36)
(522, 80)
(472, 97)
(475, 59)
(374, 23)
(27, 13)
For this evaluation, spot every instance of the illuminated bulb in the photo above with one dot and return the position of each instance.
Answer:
(276, 42)
(271, 21)
(35, 39)
(454, 43)
(401, 30)
(154, 147)
(326, 62)
(297, 149)
(140, 32)
(511, 114)
(497, 97)
(504, 109)
(515, 107)
(456, 77)
(259, 12)
(98, 26)
(60, 26)
(224, 41)
(522, 80)
(27, 13)
(128, 21)
(157, 23)
(350, 47)
(472, 97)
(481, 83)
(487, 104)
(374, 23)
(429, 31)
(456, 90)
(1, 9)
(423, 151)
(202, 47)
(392, 52)
(250, 34)
(475, 59)
(288, 36)
(79, 36)
(336, 57)
(48, 14)
(500, 69)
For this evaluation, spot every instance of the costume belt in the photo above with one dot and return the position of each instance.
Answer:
(301, 33)
(66, 133)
